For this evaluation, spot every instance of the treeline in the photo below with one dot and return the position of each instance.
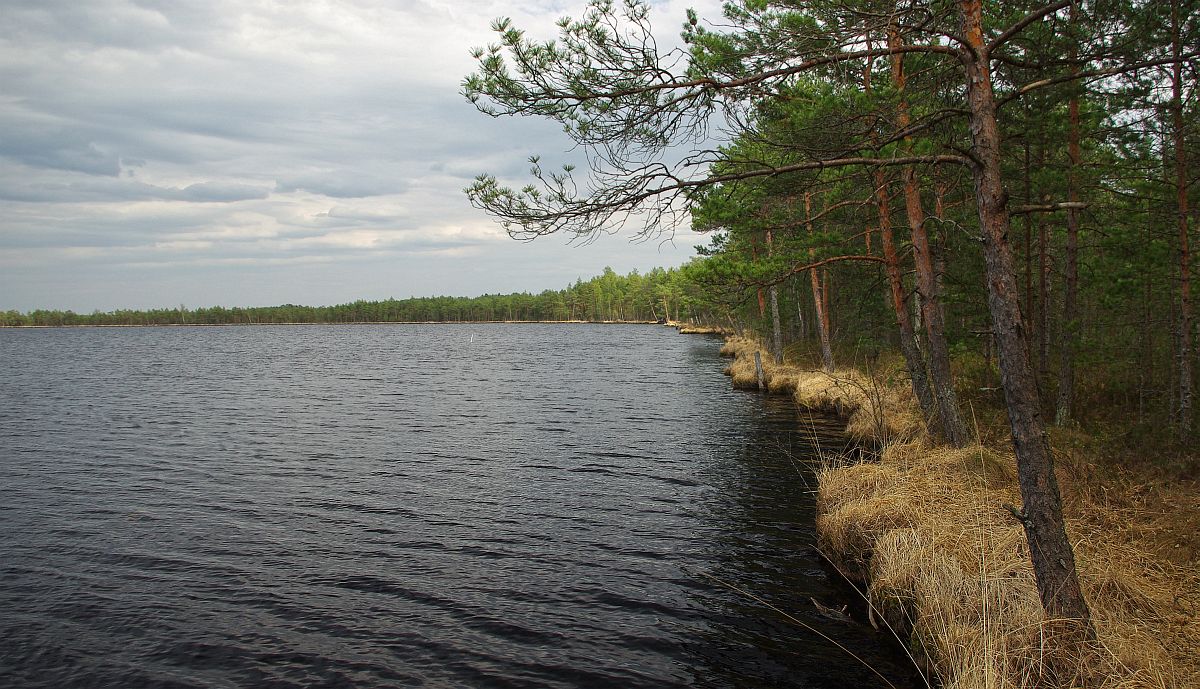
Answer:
(1008, 185)
(887, 183)
(669, 294)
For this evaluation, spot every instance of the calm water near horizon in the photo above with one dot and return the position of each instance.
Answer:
(405, 505)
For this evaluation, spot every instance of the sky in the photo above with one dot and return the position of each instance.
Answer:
(158, 153)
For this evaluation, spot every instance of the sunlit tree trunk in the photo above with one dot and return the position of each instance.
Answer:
(913, 359)
(942, 380)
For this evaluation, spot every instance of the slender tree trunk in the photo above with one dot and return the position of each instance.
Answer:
(939, 254)
(776, 325)
(819, 303)
(953, 427)
(762, 299)
(1066, 367)
(1049, 548)
(827, 299)
(951, 421)
(1029, 313)
(1045, 268)
(913, 359)
(801, 322)
(1063, 409)
(1145, 367)
(1181, 203)
(777, 330)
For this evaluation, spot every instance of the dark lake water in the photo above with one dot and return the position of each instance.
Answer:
(381, 506)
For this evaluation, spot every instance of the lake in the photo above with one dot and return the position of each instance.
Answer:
(496, 505)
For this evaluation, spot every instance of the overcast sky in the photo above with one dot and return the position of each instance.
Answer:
(254, 152)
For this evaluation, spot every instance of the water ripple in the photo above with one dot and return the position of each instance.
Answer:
(380, 506)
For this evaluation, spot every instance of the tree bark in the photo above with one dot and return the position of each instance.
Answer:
(1049, 548)
(913, 359)
(1066, 367)
(942, 380)
(1045, 268)
(1181, 203)
(1029, 312)
(819, 303)
(776, 325)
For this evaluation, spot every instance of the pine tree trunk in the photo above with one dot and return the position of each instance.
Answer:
(1029, 312)
(801, 322)
(942, 380)
(1066, 367)
(777, 328)
(953, 427)
(1049, 548)
(776, 325)
(1181, 203)
(908, 339)
(1045, 268)
(819, 303)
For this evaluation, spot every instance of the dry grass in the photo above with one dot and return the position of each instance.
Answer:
(693, 329)
(876, 411)
(947, 567)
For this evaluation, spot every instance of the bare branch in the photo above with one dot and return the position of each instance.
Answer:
(1048, 207)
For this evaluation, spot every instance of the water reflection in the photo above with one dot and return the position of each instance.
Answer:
(766, 551)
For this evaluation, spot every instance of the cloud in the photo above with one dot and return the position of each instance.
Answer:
(58, 148)
(375, 213)
(232, 134)
(83, 189)
(221, 192)
(340, 184)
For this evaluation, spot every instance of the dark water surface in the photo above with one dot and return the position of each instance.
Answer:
(377, 506)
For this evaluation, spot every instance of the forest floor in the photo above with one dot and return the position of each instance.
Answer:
(924, 532)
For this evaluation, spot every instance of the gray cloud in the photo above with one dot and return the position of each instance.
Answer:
(221, 192)
(341, 184)
(115, 189)
(179, 136)
(58, 148)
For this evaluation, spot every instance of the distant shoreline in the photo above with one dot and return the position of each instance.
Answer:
(228, 325)
(683, 328)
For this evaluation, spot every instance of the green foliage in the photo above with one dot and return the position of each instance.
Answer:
(661, 293)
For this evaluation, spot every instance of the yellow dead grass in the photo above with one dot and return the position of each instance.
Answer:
(947, 567)
(943, 562)
(875, 412)
(694, 329)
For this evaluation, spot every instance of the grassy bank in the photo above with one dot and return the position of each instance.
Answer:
(925, 534)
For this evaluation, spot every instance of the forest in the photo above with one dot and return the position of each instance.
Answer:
(667, 294)
(1001, 196)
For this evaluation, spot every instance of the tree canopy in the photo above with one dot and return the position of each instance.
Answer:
(1015, 178)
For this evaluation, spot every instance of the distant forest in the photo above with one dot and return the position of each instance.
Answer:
(661, 293)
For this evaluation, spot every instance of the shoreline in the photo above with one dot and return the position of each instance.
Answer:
(922, 533)
(289, 323)
(683, 328)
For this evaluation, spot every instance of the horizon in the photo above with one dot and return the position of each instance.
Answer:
(187, 308)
